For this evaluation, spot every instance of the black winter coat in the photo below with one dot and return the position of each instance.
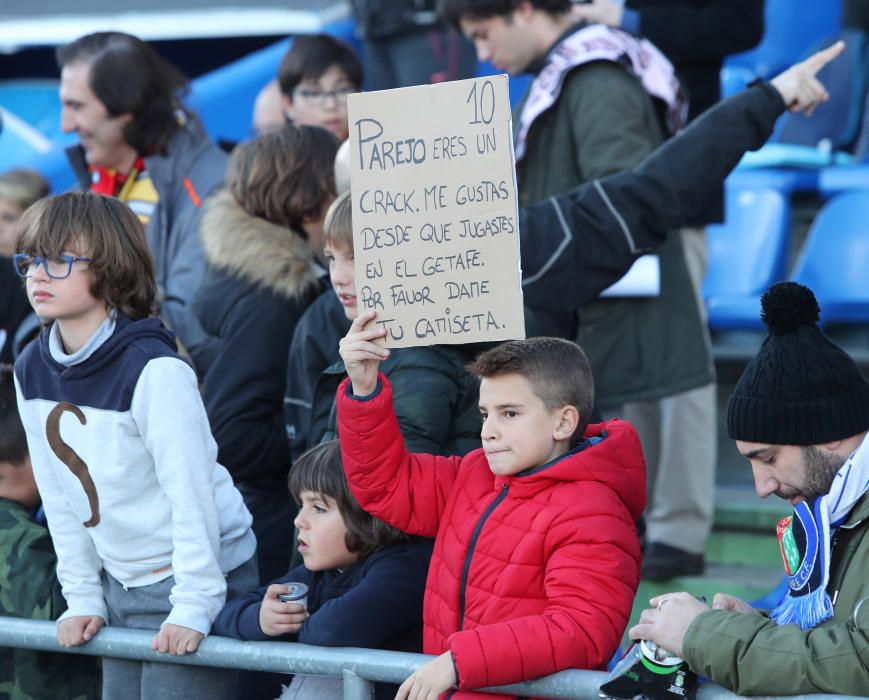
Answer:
(575, 245)
(260, 279)
(14, 306)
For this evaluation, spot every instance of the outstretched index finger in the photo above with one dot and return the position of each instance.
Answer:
(818, 60)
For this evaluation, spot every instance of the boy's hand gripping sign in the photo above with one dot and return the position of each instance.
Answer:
(435, 213)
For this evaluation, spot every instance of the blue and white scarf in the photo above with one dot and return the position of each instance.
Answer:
(804, 539)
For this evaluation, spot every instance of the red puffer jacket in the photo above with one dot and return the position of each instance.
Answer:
(531, 573)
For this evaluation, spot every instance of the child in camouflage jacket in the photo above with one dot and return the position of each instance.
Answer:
(28, 584)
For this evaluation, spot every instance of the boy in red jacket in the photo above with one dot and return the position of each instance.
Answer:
(536, 559)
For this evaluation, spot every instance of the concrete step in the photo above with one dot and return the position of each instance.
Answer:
(740, 548)
(737, 507)
(747, 582)
(744, 528)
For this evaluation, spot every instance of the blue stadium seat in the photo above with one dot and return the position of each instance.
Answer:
(835, 257)
(838, 120)
(735, 79)
(789, 30)
(786, 180)
(837, 179)
(31, 121)
(746, 255)
(224, 98)
(829, 136)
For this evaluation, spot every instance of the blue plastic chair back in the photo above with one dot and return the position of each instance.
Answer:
(835, 258)
(837, 179)
(223, 99)
(789, 29)
(34, 101)
(735, 79)
(838, 120)
(746, 254)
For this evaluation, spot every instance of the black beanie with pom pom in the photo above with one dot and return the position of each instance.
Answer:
(801, 388)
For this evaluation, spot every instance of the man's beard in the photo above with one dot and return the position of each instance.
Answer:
(821, 469)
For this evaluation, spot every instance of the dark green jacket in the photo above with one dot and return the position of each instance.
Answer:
(640, 349)
(29, 588)
(436, 400)
(751, 655)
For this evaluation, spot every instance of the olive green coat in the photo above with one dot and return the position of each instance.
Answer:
(640, 349)
(751, 655)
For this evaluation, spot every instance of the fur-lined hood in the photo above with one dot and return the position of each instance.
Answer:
(256, 250)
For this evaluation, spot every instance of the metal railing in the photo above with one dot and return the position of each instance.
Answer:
(359, 668)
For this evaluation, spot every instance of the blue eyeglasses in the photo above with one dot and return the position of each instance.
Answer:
(57, 267)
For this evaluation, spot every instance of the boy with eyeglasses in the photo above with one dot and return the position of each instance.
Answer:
(149, 530)
(315, 76)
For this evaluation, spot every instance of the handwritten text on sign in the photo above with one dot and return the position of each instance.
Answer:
(434, 212)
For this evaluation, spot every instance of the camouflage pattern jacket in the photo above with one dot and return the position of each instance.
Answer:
(29, 588)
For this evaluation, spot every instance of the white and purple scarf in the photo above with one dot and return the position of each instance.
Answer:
(804, 539)
(597, 42)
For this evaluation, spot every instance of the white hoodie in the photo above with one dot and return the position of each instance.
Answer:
(127, 469)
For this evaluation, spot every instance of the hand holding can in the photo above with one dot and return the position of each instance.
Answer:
(296, 593)
(284, 609)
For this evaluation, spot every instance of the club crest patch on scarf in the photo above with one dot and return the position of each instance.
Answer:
(790, 553)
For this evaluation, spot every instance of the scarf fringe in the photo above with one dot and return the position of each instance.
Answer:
(807, 611)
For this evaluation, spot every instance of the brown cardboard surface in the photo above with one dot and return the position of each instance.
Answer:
(435, 232)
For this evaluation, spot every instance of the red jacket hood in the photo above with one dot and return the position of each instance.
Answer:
(611, 454)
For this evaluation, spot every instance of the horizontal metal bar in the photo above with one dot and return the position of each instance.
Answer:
(287, 657)
(356, 688)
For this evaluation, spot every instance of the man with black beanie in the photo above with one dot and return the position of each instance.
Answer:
(800, 415)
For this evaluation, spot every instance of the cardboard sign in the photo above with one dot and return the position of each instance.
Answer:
(435, 233)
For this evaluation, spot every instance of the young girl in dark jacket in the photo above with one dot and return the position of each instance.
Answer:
(365, 579)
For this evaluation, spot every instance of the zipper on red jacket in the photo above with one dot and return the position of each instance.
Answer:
(467, 566)
(471, 545)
